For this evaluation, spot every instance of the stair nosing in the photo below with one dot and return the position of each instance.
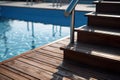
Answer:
(93, 30)
(102, 15)
(106, 2)
(95, 53)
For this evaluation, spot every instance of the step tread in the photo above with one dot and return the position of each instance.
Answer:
(102, 15)
(102, 30)
(95, 50)
(107, 2)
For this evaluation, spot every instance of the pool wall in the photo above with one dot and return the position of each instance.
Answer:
(33, 14)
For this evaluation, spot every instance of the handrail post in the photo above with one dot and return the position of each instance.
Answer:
(31, 2)
(71, 11)
(27, 2)
(53, 2)
(72, 26)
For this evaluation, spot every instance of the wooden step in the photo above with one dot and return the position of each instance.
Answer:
(98, 56)
(100, 36)
(107, 7)
(103, 20)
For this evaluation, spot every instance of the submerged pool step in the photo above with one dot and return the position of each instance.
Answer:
(103, 20)
(98, 56)
(102, 7)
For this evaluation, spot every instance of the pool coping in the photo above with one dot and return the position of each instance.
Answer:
(79, 7)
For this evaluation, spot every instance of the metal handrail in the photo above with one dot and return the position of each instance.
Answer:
(71, 11)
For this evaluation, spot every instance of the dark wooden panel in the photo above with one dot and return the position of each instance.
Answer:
(98, 38)
(108, 8)
(103, 21)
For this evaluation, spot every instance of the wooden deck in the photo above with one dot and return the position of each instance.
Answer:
(46, 63)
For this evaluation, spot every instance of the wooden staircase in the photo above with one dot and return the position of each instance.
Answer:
(98, 43)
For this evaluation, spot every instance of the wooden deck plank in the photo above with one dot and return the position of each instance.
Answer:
(64, 42)
(44, 67)
(45, 59)
(50, 54)
(40, 62)
(30, 70)
(55, 71)
(3, 77)
(18, 72)
(58, 45)
(11, 74)
(47, 52)
(52, 49)
(36, 70)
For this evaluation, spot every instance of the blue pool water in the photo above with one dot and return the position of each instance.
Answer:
(20, 32)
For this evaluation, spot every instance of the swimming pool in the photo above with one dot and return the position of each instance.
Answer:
(24, 29)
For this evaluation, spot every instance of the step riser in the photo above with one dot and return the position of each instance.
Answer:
(91, 60)
(112, 9)
(103, 22)
(98, 38)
